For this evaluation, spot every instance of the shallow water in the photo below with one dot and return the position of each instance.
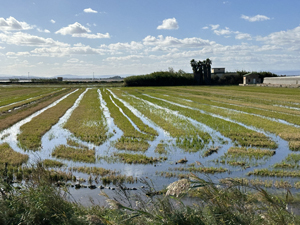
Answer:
(58, 135)
(10, 135)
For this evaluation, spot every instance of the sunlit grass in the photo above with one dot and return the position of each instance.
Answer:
(133, 144)
(236, 132)
(138, 158)
(52, 163)
(87, 121)
(211, 170)
(8, 119)
(75, 154)
(274, 173)
(8, 155)
(32, 132)
(160, 149)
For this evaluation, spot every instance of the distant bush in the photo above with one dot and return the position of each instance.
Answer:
(161, 78)
(14, 80)
(40, 80)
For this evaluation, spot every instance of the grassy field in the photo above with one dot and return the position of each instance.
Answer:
(32, 132)
(248, 135)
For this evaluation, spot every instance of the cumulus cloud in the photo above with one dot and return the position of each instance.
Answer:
(24, 39)
(123, 46)
(43, 31)
(225, 31)
(11, 23)
(89, 10)
(124, 58)
(53, 21)
(66, 51)
(75, 28)
(168, 24)
(18, 54)
(78, 30)
(255, 18)
(214, 27)
(289, 38)
(240, 36)
(175, 42)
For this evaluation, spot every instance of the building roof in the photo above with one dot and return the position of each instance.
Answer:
(247, 74)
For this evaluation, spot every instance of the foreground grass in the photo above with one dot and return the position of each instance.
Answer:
(8, 155)
(107, 176)
(75, 154)
(32, 132)
(40, 202)
(87, 121)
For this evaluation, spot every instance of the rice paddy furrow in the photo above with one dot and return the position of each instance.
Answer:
(242, 135)
(12, 118)
(32, 132)
(290, 116)
(87, 121)
(192, 138)
(286, 131)
(12, 96)
(132, 139)
(139, 123)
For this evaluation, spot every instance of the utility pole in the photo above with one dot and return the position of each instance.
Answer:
(28, 75)
(93, 76)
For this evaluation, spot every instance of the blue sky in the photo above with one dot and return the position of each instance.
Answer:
(118, 37)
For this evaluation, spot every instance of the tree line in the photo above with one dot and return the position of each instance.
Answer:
(201, 76)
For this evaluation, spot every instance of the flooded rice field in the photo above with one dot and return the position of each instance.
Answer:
(100, 137)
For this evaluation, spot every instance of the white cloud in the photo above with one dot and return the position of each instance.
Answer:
(225, 31)
(175, 42)
(53, 21)
(18, 54)
(124, 46)
(73, 60)
(11, 23)
(92, 36)
(168, 24)
(66, 51)
(43, 31)
(24, 39)
(205, 28)
(75, 28)
(240, 36)
(288, 38)
(214, 27)
(78, 30)
(124, 58)
(255, 18)
(89, 10)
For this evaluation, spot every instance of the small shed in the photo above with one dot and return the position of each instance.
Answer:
(251, 78)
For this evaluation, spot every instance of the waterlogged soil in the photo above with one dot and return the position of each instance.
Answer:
(174, 163)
